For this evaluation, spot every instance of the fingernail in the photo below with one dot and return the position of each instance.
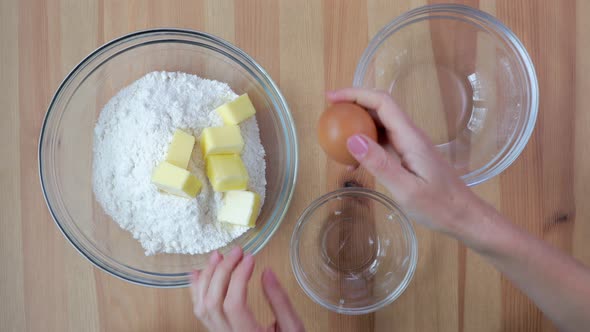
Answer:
(248, 257)
(194, 275)
(357, 146)
(269, 276)
(214, 257)
(235, 251)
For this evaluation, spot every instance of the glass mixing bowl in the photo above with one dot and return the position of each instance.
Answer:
(353, 251)
(464, 78)
(65, 148)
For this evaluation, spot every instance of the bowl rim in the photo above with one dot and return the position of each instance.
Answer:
(508, 154)
(408, 231)
(293, 169)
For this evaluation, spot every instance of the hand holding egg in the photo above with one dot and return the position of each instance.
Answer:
(340, 121)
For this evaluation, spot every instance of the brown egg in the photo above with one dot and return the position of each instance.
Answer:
(337, 124)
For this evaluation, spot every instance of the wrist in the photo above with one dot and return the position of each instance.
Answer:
(477, 225)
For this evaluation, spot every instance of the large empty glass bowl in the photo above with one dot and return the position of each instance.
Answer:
(65, 148)
(464, 78)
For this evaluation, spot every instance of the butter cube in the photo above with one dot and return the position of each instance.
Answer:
(240, 208)
(221, 140)
(175, 180)
(181, 148)
(236, 110)
(227, 172)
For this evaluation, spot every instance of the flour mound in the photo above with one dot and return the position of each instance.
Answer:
(132, 136)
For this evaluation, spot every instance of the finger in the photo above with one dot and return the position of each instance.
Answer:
(206, 274)
(405, 132)
(383, 166)
(274, 327)
(218, 287)
(195, 276)
(210, 311)
(236, 293)
(235, 305)
(331, 95)
(220, 280)
(351, 168)
(194, 280)
(280, 304)
(199, 284)
(369, 99)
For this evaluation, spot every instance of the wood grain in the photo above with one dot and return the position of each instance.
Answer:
(307, 47)
(12, 314)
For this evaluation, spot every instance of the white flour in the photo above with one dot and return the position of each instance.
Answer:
(132, 136)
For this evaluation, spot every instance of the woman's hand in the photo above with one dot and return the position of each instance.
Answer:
(219, 295)
(429, 190)
(408, 165)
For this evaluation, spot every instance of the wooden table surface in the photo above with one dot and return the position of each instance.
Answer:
(307, 47)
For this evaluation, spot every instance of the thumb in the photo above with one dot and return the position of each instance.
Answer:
(286, 317)
(387, 169)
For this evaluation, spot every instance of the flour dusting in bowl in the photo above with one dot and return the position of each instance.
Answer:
(131, 137)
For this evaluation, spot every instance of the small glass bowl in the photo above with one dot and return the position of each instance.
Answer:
(65, 147)
(353, 251)
(464, 78)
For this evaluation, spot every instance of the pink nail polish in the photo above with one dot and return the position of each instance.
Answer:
(357, 146)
